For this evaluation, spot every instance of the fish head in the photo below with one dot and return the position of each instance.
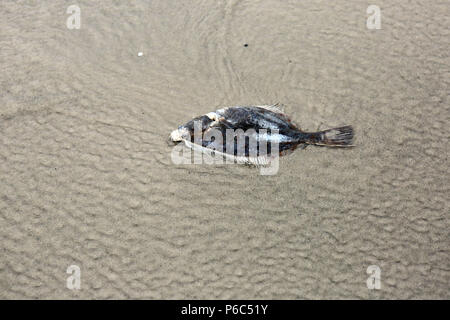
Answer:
(186, 131)
(182, 133)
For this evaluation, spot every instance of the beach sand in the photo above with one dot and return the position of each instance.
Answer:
(86, 176)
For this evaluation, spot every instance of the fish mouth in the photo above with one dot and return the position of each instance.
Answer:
(179, 135)
(170, 142)
(175, 136)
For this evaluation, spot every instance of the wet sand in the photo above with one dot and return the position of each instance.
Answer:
(86, 176)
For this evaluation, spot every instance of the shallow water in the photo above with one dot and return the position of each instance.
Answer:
(87, 178)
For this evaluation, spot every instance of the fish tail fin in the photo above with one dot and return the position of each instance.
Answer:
(336, 137)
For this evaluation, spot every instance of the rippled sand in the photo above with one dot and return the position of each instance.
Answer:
(86, 176)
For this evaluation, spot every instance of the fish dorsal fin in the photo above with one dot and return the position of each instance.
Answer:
(277, 108)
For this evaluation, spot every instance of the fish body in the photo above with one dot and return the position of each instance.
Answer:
(263, 132)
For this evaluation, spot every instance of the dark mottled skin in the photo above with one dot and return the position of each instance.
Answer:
(258, 118)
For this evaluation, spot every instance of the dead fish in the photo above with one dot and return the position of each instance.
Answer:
(272, 132)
